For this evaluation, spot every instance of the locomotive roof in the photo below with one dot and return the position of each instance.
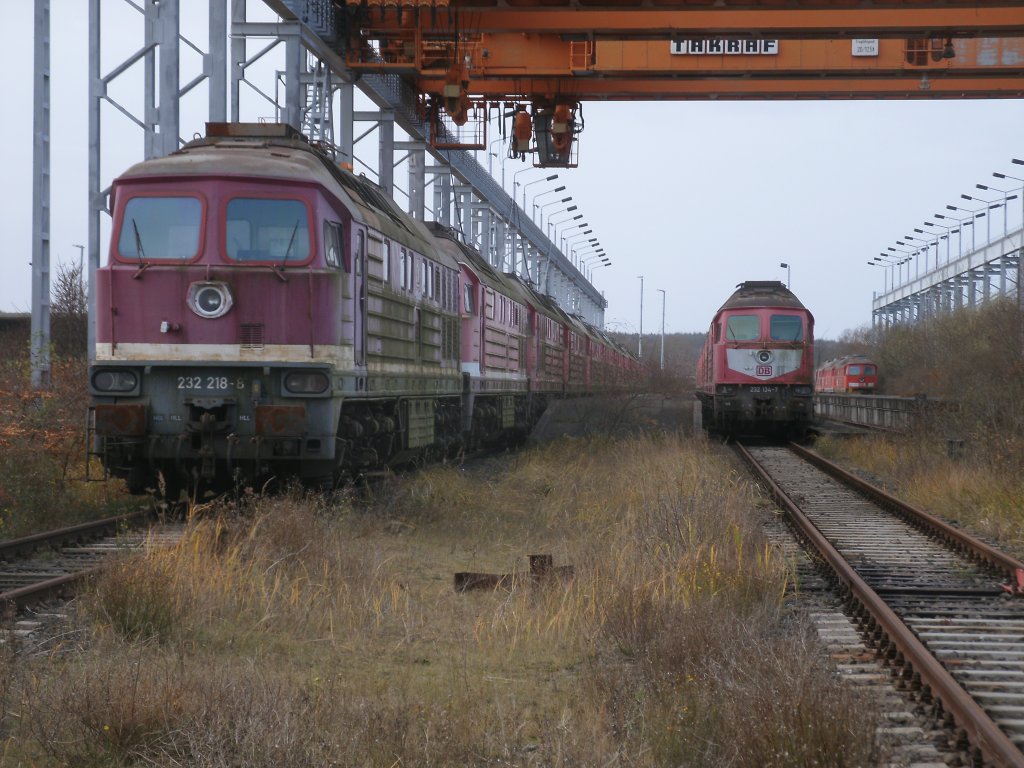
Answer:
(843, 360)
(276, 152)
(507, 283)
(762, 293)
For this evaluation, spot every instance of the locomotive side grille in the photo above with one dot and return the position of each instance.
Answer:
(251, 336)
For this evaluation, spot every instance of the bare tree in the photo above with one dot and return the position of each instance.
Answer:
(69, 314)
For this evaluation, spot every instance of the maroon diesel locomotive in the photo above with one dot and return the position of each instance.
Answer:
(755, 374)
(266, 313)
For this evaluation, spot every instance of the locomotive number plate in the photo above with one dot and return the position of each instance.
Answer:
(762, 390)
(206, 382)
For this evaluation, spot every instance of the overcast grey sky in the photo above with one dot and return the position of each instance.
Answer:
(696, 197)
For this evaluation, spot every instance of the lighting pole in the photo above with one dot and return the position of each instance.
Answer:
(906, 258)
(81, 260)
(548, 205)
(492, 154)
(1005, 176)
(913, 253)
(581, 256)
(928, 246)
(559, 222)
(992, 205)
(640, 339)
(786, 266)
(567, 239)
(662, 363)
(877, 262)
(920, 244)
(539, 195)
(577, 237)
(552, 177)
(974, 216)
(949, 230)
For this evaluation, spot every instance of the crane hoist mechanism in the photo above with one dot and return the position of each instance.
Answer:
(456, 100)
(522, 133)
(548, 130)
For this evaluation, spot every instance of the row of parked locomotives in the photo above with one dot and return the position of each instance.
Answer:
(852, 373)
(264, 312)
(755, 374)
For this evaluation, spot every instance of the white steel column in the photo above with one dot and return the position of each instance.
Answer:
(161, 104)
(215, 62)
(40, 347)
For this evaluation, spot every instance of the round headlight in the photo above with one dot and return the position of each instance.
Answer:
(306, 382)
(209, 299)
(764, 356)
(114, 381)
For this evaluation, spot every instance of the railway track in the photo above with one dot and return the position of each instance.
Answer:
(943, 609)
(50, 565)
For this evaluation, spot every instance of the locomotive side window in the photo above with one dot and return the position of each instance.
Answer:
(386, 262)
(787, 328)
(160, 228)
(743, 328)
(332, 243)
(403, 263)
(267, 230)
(467, 298)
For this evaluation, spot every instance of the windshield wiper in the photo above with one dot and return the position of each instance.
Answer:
(138, 241)
(140, 252)
(279, 268)
(291, 242)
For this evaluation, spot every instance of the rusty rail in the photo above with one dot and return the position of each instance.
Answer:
(965, 542)
(15, 599)
(28, 544)
(984, 734)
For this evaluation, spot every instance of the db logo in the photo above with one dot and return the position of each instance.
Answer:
(764, 370)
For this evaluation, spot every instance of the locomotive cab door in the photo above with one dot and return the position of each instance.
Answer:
(359, 275)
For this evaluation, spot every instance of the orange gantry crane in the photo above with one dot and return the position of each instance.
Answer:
(537, 61)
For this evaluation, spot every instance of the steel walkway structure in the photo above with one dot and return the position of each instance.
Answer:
(987, 272)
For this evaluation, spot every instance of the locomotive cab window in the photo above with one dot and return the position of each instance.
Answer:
(743, 328)
(854, 370)
(786, 328)
(467, 298)
(332, 243)
(267, 230)
(160, 228)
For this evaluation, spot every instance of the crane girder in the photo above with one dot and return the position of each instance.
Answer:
(549, 56)
(836, 20)
(494, 66)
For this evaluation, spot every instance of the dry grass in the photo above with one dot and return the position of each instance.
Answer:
(42, 448)
(314, 631)
(975, 488)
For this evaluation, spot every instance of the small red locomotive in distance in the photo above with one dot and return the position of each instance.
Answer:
(853, 373)
(755, 374)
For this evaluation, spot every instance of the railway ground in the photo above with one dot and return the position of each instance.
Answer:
(309, 629)
(678, 641)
